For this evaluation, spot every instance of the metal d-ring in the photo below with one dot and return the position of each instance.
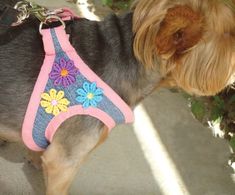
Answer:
(47, 20)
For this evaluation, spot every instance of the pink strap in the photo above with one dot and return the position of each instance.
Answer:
(67, 14)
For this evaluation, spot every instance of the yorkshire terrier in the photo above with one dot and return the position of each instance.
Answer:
(188, 44)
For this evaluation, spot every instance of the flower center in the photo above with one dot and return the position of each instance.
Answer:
(54, 102)
(64, 72)
(90, 96)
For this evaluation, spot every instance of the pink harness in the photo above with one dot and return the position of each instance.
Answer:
(66, 87)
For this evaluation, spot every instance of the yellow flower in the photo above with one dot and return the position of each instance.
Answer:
(54, 102)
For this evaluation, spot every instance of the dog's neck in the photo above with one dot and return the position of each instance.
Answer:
(107, 47)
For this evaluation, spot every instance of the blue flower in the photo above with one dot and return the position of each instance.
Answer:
(89, 95)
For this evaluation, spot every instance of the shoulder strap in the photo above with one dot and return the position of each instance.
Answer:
(56, 40)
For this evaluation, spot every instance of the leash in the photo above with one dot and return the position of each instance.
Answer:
(17, 15)
(27, 9)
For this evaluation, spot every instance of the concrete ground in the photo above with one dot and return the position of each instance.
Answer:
(165, 152)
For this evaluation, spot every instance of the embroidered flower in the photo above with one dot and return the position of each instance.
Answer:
(54, 102)
(63, 73)
(89, 95)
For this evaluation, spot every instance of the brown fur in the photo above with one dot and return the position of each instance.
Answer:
(192, 41)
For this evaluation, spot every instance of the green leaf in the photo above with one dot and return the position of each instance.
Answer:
(122, 5)
(186, 95)
(217, 109)
(218, 101)
(117, 4)
(232, 99)
(216, 113)
(232, 143)
(198, 109)
(107, 2)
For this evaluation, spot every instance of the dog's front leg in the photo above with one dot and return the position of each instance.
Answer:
(60, 165)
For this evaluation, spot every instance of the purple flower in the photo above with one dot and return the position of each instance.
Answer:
(64, 73)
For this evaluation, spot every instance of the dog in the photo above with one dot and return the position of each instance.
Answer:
(187, 44)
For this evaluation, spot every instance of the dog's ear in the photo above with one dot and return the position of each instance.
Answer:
(180, 30)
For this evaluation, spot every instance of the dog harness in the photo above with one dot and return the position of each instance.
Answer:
(66, 87)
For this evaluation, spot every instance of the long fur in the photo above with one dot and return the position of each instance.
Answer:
(204, 64)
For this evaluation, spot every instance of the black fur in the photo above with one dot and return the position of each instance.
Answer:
(105, 46)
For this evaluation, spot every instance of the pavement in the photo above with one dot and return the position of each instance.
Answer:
(165, 152)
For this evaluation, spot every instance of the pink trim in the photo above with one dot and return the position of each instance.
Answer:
(37, 91)
(75, 110)
(85, 70)
(34, 104)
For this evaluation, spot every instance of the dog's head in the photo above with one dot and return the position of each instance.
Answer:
(191, 41)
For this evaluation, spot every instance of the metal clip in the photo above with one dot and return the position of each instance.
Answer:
(44, 15)
(27, 8)
(21, 6)
(38, 11)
